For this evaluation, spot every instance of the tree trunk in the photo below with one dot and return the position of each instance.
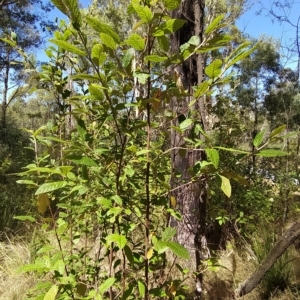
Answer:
(191, 197)
(289, 237)
(5, 90)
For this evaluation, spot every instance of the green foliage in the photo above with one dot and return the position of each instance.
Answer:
(101, 171)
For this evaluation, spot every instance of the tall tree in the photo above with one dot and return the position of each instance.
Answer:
(21, 23)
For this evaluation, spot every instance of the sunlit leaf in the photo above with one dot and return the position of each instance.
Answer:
(119, 239)
(142, 288)
(51, 294)
(179, 250)
(213, 156)
(225, 185)
(135, 41)
(259, 139)
(106, 284)
(277, 130)
(168, 233)
(98, 56)
(67, 46)
(186, 124)
(108, 41)
(214, 69)
(172, 4)
(149, 253)
(272, 153)
(50, 187)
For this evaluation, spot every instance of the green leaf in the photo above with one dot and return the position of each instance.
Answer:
(156, 58)
(61, 6)
(213, 156)
(172, 4)
(214, 70)
(186, 124)
(142, 77)
(117, 199)
(51, 294)
(239, 57)
(142, 288)
(108, 41)
(214, 24)
(82, 160)
(169, 27)
(225, 185)
(96, 91)
(128, 56)
(119, 239)
(28, 182)
(67, 46)
(168, 233)
(201, 89)
(11, 43)
(143, 12)
(216, 42)
(272, 153)
(232, 150)
(179, 250)
(163, 43)
(106, 284)
(136, 41)
(98, 56)
(277, 131)
(50, 187)
(258, 139)
(194, 40)
(102, 27)
(25, 218)
(236, 177)
(160, 246)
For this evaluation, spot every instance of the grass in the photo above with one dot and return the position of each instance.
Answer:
(14, 285)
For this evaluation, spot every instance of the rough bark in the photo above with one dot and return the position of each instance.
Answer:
(289, 237)
(191, 198)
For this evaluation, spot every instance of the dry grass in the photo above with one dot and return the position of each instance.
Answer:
(14, 285)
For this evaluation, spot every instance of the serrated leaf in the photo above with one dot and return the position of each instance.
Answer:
(214, 70)
(258, 139)
(102, 27)
(168, 233)
(156, 58)
(179, 250)
(50, 187)
(143, 12)
(96, 91)
(149, 253)
(214, 24)
(172, 4)
(119, 239)
(225, 185)
(213, 156)
(128, 56)
(277, 131)
(61, 6)
(272, 153)
(51, 294)
(136, 41)
(142, 288)
(67, 46)
(106, 284)
(201, 89)
(108, 41)
(98, 56)
(186, 124)
(43, 203)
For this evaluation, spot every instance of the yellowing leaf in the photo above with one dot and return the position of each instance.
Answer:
(149, 253)
(225, 186)
(173, 289)
(42, 203)
(51, 294)
(173, 201)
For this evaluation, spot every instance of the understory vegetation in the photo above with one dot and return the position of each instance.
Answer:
(139, 162)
